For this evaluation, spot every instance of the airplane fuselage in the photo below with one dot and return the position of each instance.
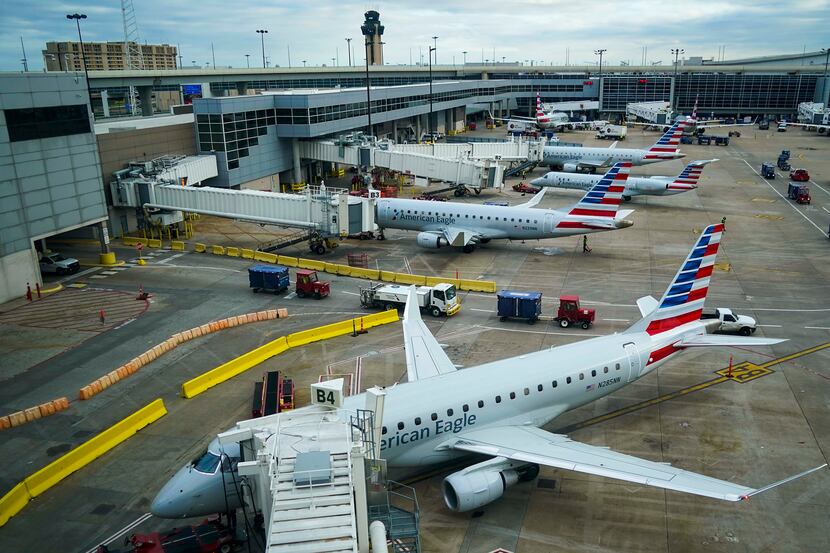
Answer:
(571, 158)
(634, 186)
(487, 221)
(420, 416)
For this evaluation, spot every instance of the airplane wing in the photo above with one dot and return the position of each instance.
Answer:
(424, 356)
(720, 340)
(457, 236)
(534, 200)
(816, 125)
(534, 445)
(614, 144)
(596, 164)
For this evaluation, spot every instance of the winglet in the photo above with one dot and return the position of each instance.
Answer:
(780, 482)
(424, 356)
(534, 201)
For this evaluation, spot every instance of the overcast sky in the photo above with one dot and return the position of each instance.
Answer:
(517, 30)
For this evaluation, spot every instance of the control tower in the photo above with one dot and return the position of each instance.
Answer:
(373, 31)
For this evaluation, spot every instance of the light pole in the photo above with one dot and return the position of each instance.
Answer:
(368, 93)
(262, 36)
(248, 60)
(431, 50)
(349, 48)
(435, 48)
(676, 52)
(304, 63)
(77, 17)
(826, 52)
(600, 52)
(465, 56)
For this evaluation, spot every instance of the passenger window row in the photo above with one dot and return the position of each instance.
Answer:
(526, 391)
(482, 217)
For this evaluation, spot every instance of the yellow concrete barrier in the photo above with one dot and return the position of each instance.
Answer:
(232, 251)
(287, 261)
(132, 240)
(247, 254)
(265, 257)
(432, 281)
(226, 371)
(13, 502)
(331, 268)
(200, 248)
(153, 243)
(344, 270)
(177, 245)
(311, 264)
(217, 250)
(387, 276)
(404, 278)
(39, 482)
(107, 258)
(372, 274)
(476, 285)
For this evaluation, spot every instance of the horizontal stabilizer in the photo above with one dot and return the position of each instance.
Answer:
(724, 340)
(534, 201)
(623, 213)
(646, 305)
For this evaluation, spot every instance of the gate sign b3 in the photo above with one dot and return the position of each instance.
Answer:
(328, 394)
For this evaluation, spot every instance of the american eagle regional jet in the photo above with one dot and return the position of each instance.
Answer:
(497, 409)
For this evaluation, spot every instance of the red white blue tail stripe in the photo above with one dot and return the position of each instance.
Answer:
(541, 117)
(687, 179)
(683, 301)
(602, 201)
(669, 143)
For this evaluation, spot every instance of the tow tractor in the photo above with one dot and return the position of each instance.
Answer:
(783, 160)
(570, 313)
(800, 193)
(309, 285)
(209, 536)
(768, 170)
(273, 394)
(437, 300)
(525, 188)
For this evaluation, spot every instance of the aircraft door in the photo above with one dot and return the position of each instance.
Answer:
(550, 223)
(634, 362)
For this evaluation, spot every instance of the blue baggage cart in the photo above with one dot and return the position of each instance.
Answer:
(519, 305)
(268, 277)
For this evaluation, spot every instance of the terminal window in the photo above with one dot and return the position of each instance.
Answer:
(46, 122)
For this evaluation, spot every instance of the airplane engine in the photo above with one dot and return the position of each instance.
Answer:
(479, 484)
(430, 240)
(570, 167)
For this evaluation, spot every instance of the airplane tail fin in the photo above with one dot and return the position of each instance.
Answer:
(669, 142)
(694, 110)
(539, 111)
(598, 207)
(683, 300)
(689, 176)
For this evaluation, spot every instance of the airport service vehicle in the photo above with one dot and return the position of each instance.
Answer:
(576, 158)
(309, 285)
(721, 140)
(768, 170)
(58, 264)
(800, 193)
(612, 132)
(730, 322)
(704, 140)
(782, 127)
(465, 225)
(763, 125)
(634, 186)
(437, 300)
(268, 278)
(799, 175)
(525, 188)
(519, 305)
(498, 409)
(272, 394)
(570, 313)
(209, 536)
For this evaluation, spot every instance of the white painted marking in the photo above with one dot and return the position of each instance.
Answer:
(123, 531)
(769, 326)
(785, 198)
(77, 275)
(119, 269)
(109, 272)
(818, 327)
(618, 320)
(350, 293)
(160, 266)
(481, 310)
(289, 296)
(97, 276)
(172, 257)
(502, 329)
(125, 323)
(820, 187)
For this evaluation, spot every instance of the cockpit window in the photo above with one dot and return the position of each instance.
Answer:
(207, 463)
(450, 292)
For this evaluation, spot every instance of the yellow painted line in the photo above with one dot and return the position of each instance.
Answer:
(745, 372)
(769, 217)
(76, 285)
(726, 267)
(796, 355)
(52, 290)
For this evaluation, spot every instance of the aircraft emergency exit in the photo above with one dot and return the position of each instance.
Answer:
(466, 225)
(497, 409)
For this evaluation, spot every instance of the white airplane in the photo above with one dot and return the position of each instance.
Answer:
(574, 158)
(556, 121)
(466, 225)
(695, 125)
(634, 186)
(497, 409)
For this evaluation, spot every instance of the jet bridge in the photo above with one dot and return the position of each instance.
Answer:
(477, 165)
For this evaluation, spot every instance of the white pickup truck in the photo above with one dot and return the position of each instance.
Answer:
(612, 132)
(58, 264)
(730, 322)
(437, 300)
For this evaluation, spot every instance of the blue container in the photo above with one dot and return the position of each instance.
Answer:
(268, 277)
(520, 305)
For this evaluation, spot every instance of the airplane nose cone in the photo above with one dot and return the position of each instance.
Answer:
(190, 493)
(539, 181)
(172, 500)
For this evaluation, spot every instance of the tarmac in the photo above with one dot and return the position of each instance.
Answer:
(766, 421)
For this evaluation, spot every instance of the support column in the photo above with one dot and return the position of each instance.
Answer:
(395, 131)
(449, 121)
(297, 175)
(241, 88)
(145, 95)
(106, 257)
(418, 129)
(105, 103)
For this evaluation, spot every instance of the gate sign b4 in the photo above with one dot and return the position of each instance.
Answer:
(328, 393)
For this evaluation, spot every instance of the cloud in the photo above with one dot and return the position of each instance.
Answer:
(518, 30)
